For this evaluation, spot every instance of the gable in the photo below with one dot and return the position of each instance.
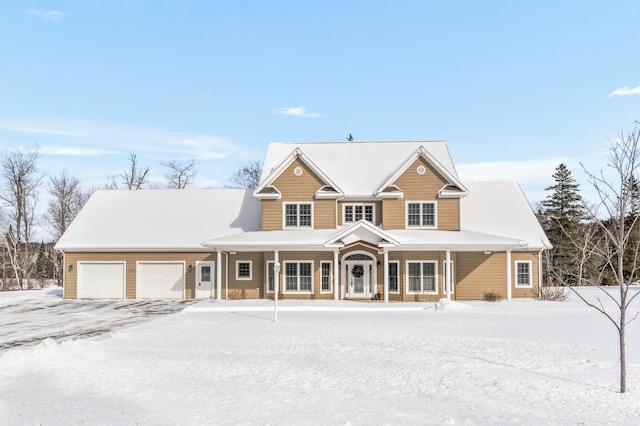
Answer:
(298, 182)
(420, 181)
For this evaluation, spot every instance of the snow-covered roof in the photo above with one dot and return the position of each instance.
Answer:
(160, 219)
(501, 208)
(357, 168)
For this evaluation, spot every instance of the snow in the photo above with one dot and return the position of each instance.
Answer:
(331, 362)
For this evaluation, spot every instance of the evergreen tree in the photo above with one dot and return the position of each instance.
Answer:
(563, 214)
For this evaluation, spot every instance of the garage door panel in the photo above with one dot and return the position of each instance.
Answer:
(101, 280)
(160, 280)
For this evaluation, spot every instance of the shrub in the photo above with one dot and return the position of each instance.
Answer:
(492, 296)
(237, 294)
(280, 296)
(553, 293)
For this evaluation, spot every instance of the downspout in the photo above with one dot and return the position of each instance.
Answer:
(226, 275)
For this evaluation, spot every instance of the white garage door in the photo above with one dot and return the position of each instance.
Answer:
(160, 280)
(101, 280)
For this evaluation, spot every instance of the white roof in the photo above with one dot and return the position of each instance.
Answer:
(160, 219)
(357, 168)
(501, 208)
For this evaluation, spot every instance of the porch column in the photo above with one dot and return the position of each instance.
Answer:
(336, 273)
(540, 274)
(447, 273)
(508, 274)
(385, 259)
(219, 274)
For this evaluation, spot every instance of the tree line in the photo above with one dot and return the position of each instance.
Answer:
(27, 263)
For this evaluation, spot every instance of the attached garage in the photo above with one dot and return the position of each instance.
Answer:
(160, 280)
(101, 280)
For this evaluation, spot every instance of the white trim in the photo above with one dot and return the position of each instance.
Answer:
(453, 275)
(421, 203)
(530, 265)
(330, 263)
(238, 277)
(435, 273)
(298, 226)
(284, 276)
(397, 277)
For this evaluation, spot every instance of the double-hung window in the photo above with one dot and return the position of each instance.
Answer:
(298, 215)
(422, 277)
(421, 214)
(325, 277)
(356, 212)
(523, 274)
(298, 277)
(394, 275)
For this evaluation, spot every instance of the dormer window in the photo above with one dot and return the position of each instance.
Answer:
(298, 215)
(356, 212)
(421, 214)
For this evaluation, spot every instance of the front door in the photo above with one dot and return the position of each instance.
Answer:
(204, 280)
(359, 278)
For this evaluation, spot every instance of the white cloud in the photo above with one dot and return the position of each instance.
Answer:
(625, 91)
(47, 15)
(297, 112)
(74, 151)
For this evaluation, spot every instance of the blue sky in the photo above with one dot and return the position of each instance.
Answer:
(515, 88)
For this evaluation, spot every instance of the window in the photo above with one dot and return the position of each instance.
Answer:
(393, 277)
(298, 277)
(298, 215)
(421, 278)
(356, 212)
(243, 270)
(325, 277)
(523, 274)
(271, 277)
(421, 214)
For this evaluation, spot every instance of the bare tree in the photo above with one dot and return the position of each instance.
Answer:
(247, 177)
(135, 177)
(616, 226)
(180, 174)
(20, 179)
(67, 198)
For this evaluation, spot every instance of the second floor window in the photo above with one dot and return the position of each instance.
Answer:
(356, 212)
(298, 215)
(421, 214)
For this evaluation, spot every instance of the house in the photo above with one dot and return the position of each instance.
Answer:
(347, 220)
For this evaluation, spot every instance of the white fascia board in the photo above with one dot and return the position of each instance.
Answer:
(422, 152)
(445, 193)
(361, 224)
(268, 195)
(296, 153)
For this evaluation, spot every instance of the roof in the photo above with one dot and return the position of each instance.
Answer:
(348, 164)
(160, 219)
(501, 208)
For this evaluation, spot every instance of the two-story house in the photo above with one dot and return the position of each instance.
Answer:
(345, 220)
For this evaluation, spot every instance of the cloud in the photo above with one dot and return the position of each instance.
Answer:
(39, 130)
(47, 15)
(625, 91)
(297, 112)
(74, 151)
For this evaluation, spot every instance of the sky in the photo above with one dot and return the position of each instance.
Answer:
(515, 88)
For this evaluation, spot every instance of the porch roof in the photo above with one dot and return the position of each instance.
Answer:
(327, 239)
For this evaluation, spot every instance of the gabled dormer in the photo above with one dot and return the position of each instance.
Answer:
(421, 194)
(297, 194)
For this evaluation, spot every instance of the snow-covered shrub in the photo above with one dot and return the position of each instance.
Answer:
(553, 293)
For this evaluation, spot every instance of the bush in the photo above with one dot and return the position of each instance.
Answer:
(492, 296)
(553, 293)
(280, 296)
(238, 294)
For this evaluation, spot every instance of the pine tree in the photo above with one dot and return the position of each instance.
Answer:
(563, 214)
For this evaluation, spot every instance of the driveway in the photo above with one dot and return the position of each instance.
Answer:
(31, 318)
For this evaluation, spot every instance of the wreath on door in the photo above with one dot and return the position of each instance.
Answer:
(357, 271)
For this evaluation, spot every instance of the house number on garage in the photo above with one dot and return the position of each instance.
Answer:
(131, 270)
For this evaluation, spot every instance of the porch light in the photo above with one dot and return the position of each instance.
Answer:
(70, 267)
(378, 263)
(190, 268)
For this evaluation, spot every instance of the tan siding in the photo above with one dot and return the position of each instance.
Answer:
(298, 189)
(71, 278)
(524, 292)
(252, 288)
(316, 257)
(421, 188)
(377, 211)
(403, 257)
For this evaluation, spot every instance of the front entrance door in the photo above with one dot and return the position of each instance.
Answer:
(204, 280)
(359, 278)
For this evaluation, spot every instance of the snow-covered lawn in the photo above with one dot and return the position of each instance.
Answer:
(333, 363)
